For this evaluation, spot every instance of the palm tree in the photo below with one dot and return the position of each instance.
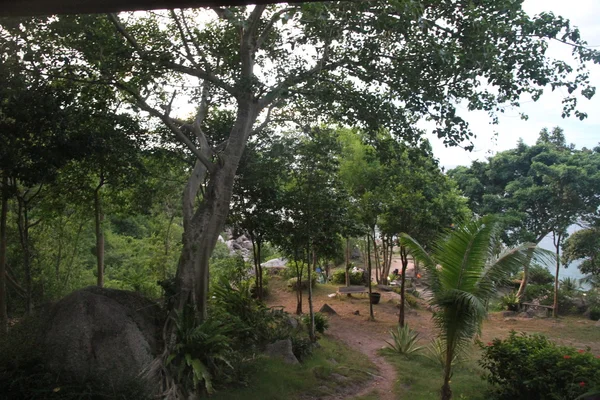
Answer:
(463, 272)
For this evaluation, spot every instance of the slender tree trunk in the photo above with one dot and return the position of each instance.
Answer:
(404, 259)
(525, 281)
(254, 258)
(23, 224)
(98, 220)
(311, 314)
(259, 268)
(3, 216)
(299, 272)
(75, 250)
(371, 314)
(556, 239)
(446, 391)
(347, 262)
(384, 257)
(377, 260)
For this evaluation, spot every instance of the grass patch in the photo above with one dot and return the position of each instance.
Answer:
(570, 329)
(419, 378)
(371, 396)
(331, 368)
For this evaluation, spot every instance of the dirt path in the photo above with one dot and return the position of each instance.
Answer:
(366, 337)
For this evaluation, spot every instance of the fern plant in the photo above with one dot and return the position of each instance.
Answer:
(201, 352)
(404, 341)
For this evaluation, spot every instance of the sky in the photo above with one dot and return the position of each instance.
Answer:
(546, 112)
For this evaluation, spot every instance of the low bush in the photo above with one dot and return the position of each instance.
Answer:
(321, 322)
(292, 283)
(538, 292)
(411, 300)
(510, 302)
(539, 275)
(530, 367)
(566, 303)
(404, 341)
(301, 346)
(595, 313)
(339, 277)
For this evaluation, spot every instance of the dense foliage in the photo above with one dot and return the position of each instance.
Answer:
(530, 367)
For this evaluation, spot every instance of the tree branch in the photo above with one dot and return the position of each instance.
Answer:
(274, 18)
(189, 32)
(123, 31)
(190, 56)
(265, 122)
(141, 102)
(197, 72)
(296, 79)
(253, 22)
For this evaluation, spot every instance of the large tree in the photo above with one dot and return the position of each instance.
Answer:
(377, 63)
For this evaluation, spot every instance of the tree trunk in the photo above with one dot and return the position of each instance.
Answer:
(377, 261)
(98, 220)
(311, 314)
(404, 259)
(3, 216)
(257, 268)
(525, 281)
(556, 239)
(23, 224)
(299, 272)
(371, 314)
(261, 294)
(446, 391)
(347, 262)
(255, 263)
(203, 226)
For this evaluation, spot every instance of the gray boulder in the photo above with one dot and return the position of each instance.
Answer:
(282, 349)
(100, 334)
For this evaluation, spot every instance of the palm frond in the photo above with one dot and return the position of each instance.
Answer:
(464, 252)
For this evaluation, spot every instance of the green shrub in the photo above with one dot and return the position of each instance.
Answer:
(321, 322)
(292, 283)
(530, 367)
(202, 350)
(339, 277)
(404, 341)
(539, 292)
(301, 346)
(539, 275)
(566, 304)
(595, 313)
(510, 302)
(411, 300)
(291, 272)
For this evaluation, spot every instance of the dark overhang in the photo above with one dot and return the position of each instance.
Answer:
(20, 8)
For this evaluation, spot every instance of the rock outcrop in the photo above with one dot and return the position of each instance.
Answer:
(105, 335)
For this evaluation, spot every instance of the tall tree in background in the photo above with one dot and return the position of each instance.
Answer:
(537, 189)
(584, 245)
(257, 202)
(332, 58)
(316, 202)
